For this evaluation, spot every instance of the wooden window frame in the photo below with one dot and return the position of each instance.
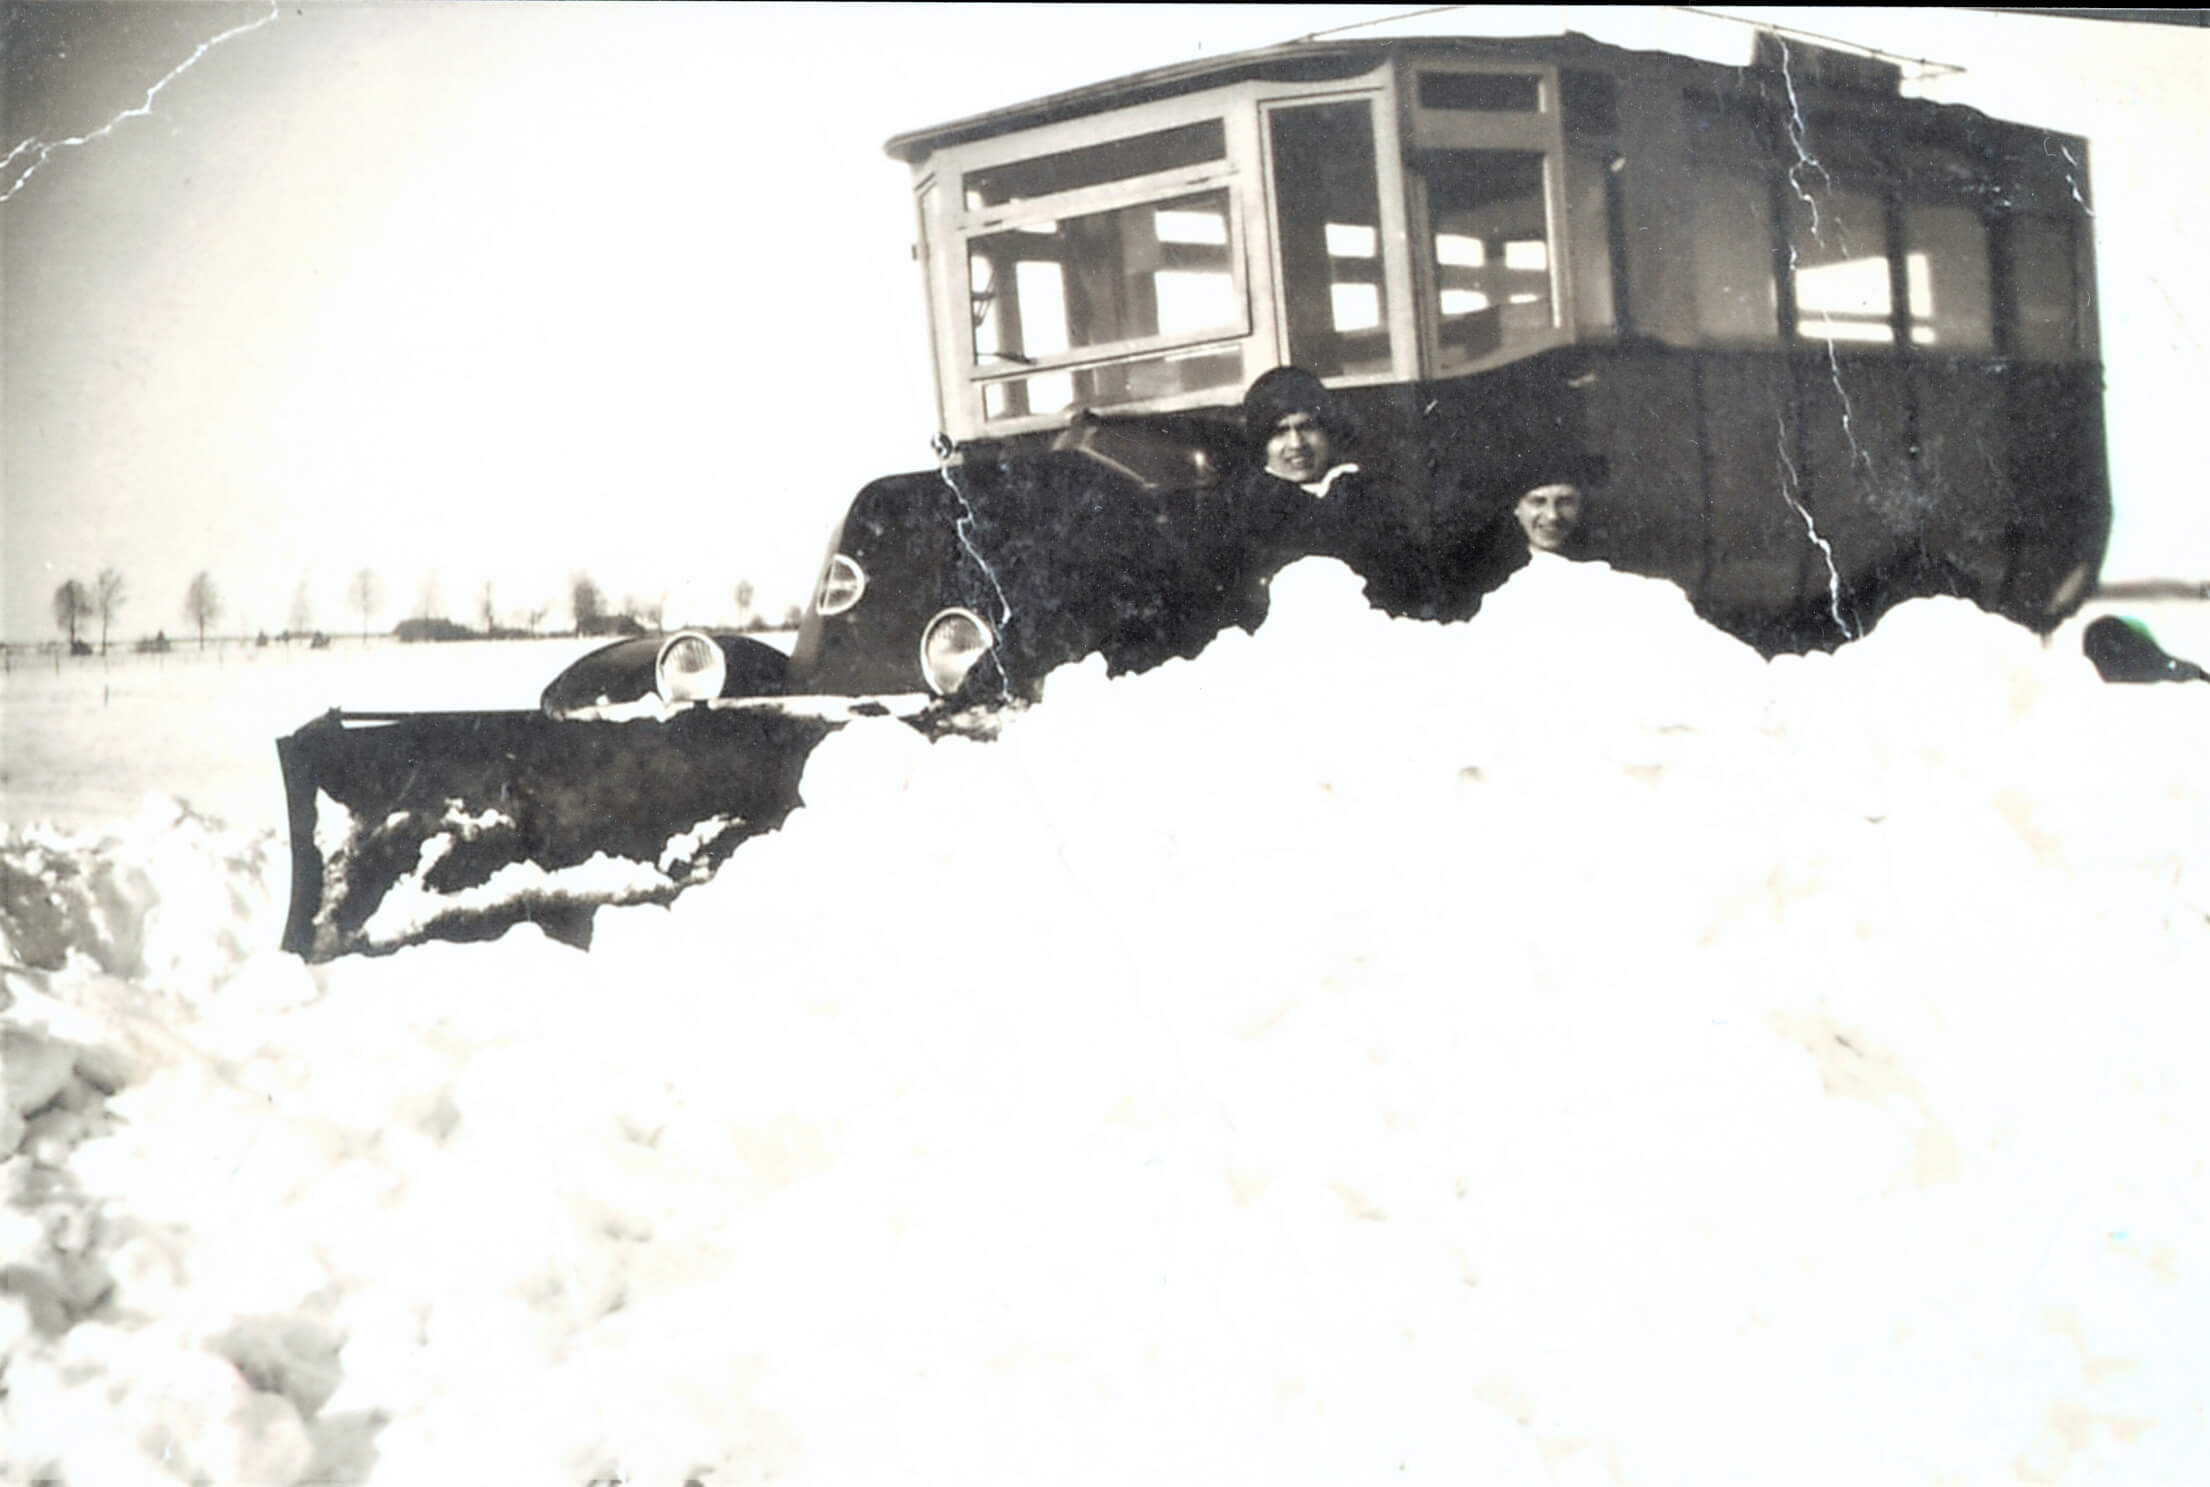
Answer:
(961, 376)
(1261, 329)
(1541, 131)
(1393, 247)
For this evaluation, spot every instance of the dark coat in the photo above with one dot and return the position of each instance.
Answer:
(1259, 524)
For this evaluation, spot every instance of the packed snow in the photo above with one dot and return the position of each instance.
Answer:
(1561, 1048)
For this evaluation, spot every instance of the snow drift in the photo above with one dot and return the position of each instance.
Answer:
(1561, 1048)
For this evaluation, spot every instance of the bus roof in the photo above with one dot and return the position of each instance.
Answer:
(1319, 60)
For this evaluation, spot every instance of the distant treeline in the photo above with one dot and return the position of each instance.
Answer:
(78, 606)
(436, 627)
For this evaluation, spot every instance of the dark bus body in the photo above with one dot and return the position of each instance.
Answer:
(1832, 347)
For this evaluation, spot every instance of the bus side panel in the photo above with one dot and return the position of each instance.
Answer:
(1758, 546)
(2057, 468)
(1642, 418)
(1963, 439)
(1855, 464)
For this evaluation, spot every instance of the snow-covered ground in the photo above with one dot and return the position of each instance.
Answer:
(87, 738)
(1561, 1048)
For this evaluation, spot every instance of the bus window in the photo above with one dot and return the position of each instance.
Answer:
(1838, 241)
(1157, 269)
(1731, 214)
(1482, 92)
(1334, 295)
(1945, 266)
(1102, 274)
(1491, 252)
(2047, 314)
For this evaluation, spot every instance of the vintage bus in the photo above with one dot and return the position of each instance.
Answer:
(1830, 346)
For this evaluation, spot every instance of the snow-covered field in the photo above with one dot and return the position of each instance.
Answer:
(1561, 1048)
(86, 739)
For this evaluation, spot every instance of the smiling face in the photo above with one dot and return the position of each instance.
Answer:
(1298, 449)
(1548, 514)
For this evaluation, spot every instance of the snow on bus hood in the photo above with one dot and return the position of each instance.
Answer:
(1560, 1048)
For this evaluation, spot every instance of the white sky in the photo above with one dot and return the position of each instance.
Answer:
(497, 292)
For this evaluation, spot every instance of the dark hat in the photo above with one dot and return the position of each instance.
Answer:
(1581, 471)
(1287, 390)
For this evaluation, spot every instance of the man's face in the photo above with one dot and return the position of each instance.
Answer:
(1548, 514)
(1297, 450)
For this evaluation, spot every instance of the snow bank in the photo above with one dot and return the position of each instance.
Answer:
(1561, 1048)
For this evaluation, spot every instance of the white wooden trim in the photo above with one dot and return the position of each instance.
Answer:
(1001, 368)
(1203, 397)
(954, 161)
(1396, 231)
(1247, 142)
(1011, 216)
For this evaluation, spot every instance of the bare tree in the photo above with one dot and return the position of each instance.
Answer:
(490, 611)
(430, 599)
(537, 616)
(303, 611)
(585, 601)
(745, 594)
(72, 607)
(107, 598)
(365, 594)
(202, 604)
